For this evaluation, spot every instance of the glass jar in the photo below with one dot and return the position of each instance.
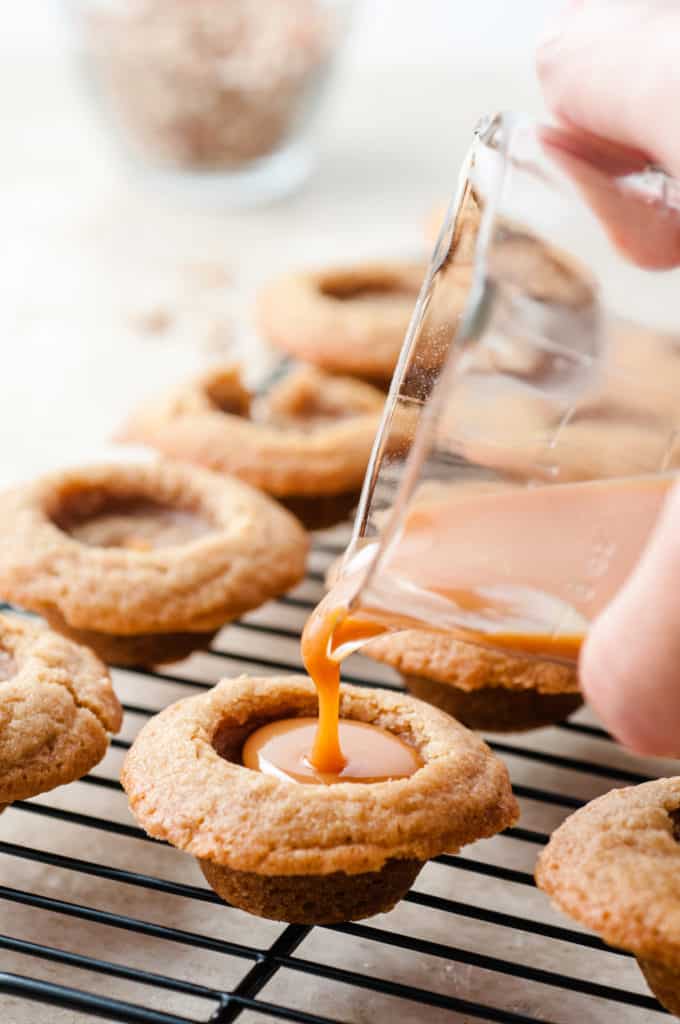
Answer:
(224, 94)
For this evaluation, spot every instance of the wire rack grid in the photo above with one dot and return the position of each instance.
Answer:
(98, 921)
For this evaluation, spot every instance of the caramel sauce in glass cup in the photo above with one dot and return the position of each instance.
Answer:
(523, 598)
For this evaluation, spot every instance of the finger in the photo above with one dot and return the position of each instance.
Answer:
(645, 231)
(610, 68)
(630, 664)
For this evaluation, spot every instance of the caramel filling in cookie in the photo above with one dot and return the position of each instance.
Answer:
(8, 666)
(370, 754)
(330, 634)
(104, 521)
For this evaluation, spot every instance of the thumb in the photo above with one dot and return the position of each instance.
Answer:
(609, 67)
(630, 663)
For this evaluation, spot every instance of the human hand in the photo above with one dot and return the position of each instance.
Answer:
(610, 77)
(609, 68)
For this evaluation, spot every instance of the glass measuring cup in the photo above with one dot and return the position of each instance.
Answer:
(531, 431)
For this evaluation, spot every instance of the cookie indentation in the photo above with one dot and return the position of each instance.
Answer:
(675, 821)
(8, 666)
(299, 403)
(306, 415)
(103, 521)
(229, 736)
(366, 289)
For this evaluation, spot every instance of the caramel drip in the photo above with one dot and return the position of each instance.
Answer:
(332, 632)
(328, 629)
(370, 753)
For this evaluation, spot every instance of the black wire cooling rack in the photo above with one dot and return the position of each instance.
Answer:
(99, 921)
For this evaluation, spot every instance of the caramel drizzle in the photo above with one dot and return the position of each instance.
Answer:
(329, 635)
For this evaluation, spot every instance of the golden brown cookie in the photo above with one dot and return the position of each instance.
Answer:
(344, 319)
(57, 709)
(614, 866)
(144, 563)
(310, 853)
(307, 442)
(483, 689)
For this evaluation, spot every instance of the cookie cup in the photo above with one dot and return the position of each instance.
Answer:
(307, 442)
(614, 866)
(144, 563)
(310, 853)
(350, 319)
(483, 689)
(57, 710)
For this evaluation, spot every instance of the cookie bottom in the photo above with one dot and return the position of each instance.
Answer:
(323, 511)
(314, 899)
(140, 650)
(494, 708)
(664, 983)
